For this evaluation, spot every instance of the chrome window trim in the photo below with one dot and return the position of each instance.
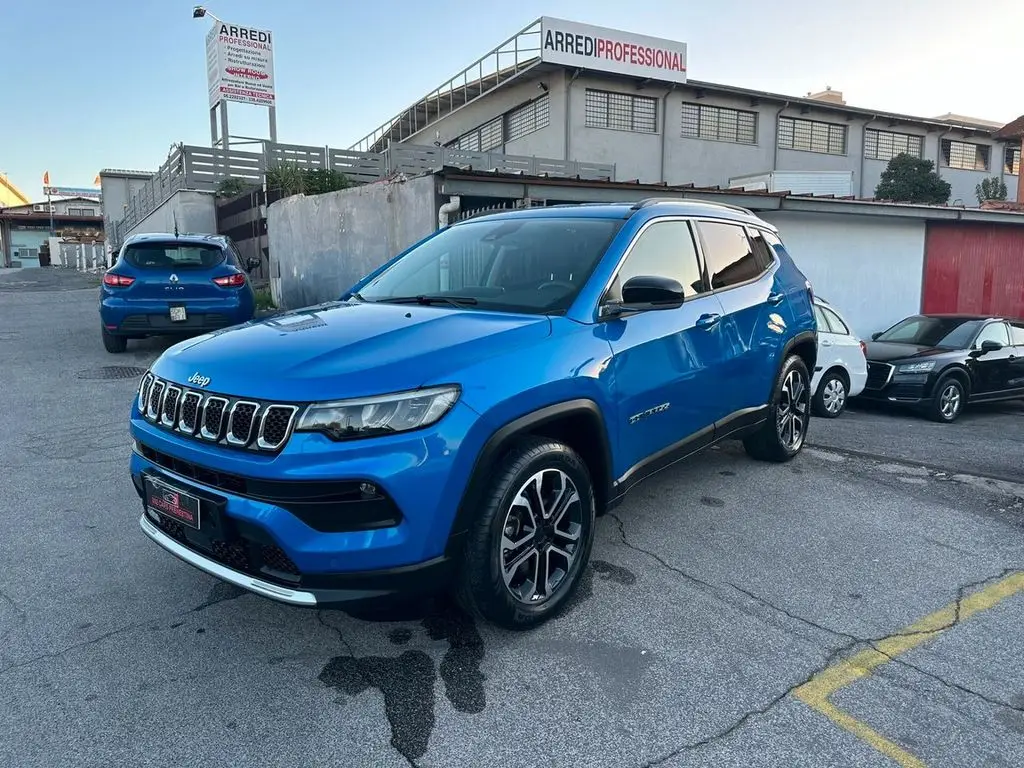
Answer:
(203, 432)
(228, 436)
(261, 443)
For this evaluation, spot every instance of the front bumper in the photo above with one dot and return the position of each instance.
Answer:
(905, 389)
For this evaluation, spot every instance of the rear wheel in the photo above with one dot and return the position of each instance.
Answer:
(830, 398)
(112, 343)
(948, 400)
(531, 541)
(782, 435)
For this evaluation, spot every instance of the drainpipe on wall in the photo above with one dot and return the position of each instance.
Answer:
(568, 93)
(664, 130)
(775, 156)
(446, 210)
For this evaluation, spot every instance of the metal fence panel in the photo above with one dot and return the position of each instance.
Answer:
(206, 167)
(358, 166)
(295, 154)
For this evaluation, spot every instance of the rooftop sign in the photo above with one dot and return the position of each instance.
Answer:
(240, 65)
(581, 45)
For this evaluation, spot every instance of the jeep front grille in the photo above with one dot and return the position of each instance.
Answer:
(212, 418)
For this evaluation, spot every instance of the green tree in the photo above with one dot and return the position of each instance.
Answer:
(909, 179)
(991, 188)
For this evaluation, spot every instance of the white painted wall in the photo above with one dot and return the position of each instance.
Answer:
(195, 212)
(870, 268)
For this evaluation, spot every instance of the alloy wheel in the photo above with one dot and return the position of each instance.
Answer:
(791, 419)
(540, 538)
(949, 401)
(834, 395)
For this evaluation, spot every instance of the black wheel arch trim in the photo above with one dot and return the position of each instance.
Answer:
(957, 371)
(504, 436)
(801, 338)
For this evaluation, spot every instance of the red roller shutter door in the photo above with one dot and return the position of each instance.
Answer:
(977, 268)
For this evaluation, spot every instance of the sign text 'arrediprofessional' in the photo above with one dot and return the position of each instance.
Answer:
(240, 65)
(582, 45)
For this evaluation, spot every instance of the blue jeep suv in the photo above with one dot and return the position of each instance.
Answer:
(462, 414)
(173, 284)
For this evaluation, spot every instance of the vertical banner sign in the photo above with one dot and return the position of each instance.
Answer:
(240, 65)
(581, 45)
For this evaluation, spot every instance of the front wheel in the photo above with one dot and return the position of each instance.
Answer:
(948, 400)
(782, 435)
(531, 540)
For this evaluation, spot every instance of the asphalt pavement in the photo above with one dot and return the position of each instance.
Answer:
(860, 606)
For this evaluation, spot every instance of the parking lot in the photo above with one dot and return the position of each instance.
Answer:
(859, 606)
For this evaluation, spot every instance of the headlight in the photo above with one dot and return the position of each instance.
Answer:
(381, 415)
(917, 367)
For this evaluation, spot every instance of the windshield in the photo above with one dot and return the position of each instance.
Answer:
(952, 332)
(173, 255)
(535, 265)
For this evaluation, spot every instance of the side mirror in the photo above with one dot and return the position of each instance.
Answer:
(989, 345)
(252, 263)
(875, 335)
(651, 292)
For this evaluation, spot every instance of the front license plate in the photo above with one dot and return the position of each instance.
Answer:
(178, 314)
(172, 502)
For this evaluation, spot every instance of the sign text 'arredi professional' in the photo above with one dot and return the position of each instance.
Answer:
(240, 65)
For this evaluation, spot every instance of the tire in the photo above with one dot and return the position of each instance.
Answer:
(486, 586)
(112, 343)
(790, 409)
(830, 399)
(948, 400)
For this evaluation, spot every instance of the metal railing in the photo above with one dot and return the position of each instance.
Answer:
(205, 168)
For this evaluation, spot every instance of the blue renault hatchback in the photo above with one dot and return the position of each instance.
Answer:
(174, 284)
(460, 416)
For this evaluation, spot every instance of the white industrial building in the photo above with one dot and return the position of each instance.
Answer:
(561, 89)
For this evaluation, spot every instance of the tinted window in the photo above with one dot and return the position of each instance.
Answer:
(993, 332)
(952, 332)
(823, 323)
(728, 254)
(665, 249)
(762, 249)
(838, 326)
(1017, 334)
(172, 255)
(533, 264)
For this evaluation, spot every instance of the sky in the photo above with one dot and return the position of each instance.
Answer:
(114, 83)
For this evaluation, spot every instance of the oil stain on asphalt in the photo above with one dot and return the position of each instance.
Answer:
(407, 681)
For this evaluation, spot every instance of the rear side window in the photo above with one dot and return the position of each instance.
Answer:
(762, 250)
(729, 254)
(173, 255)
(664, 249)
(838, 326)
(1017, 335)
(823, 324)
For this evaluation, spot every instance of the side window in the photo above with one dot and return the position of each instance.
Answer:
(838, 326)
(762, 250)
(728, 253)
(1017, 334)
(664, 249)
(823, 324)
(993, 332)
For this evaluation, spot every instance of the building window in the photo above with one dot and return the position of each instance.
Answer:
(487, 137)
(1012, 161)
(528, 118)
(621, 111)
(885, 145)
(964, 155)
(75, 212)
(812, 136)
(703, 121)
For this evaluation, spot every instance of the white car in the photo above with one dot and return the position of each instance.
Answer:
(842, 367)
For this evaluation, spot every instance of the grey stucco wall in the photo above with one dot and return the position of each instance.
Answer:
(116, 190)
(321, 245)
(194, 212)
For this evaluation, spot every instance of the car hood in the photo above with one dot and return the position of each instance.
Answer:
(884, 352)
(341, 350)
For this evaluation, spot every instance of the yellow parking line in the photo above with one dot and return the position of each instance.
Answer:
(816, 692)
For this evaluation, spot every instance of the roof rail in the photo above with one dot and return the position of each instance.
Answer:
(654, 200)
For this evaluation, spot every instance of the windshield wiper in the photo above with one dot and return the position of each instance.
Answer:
(455, 301)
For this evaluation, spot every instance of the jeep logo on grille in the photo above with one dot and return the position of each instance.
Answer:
(199, 380)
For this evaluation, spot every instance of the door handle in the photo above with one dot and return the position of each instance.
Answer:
(826, 343)
(708, 320)
(775, 298)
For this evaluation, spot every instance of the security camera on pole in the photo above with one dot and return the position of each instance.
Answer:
(239, 67)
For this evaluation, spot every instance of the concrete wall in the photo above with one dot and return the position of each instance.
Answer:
(701, 161)
(322, 245)
(870, 267)
(116, 190)
(195, 212)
